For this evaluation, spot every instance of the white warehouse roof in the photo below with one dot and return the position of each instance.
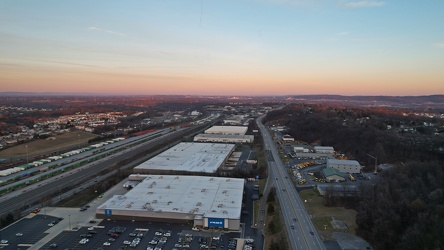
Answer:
(323, 148)
(227, 130)
(217, 197)
(224, 138)
(192, 157)
(343, 162)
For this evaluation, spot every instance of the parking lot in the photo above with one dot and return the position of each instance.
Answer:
(72, 223)
(27, 231)
(141, 235)
(110, 234)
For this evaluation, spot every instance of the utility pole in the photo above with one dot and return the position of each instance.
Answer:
(376, 160)
(27, 155)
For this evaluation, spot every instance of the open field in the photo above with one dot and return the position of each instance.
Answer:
(323, 216)
(53, 143)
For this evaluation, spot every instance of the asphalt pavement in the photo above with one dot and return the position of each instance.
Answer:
(301, 231)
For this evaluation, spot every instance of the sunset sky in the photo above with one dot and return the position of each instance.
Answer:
(223, 47)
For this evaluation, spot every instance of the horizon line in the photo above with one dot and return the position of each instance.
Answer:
(12, 93)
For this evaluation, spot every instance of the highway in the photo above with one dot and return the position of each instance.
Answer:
(300, 229)
(86, 155)
(24, 199)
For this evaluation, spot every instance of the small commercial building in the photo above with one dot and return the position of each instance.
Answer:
(338, 190)
(207, 202)
(227, 130)
(224, 138)
(313, 156)
(301, 150)
(332, 175)
(287, 138)
(345, 166)
(324, 150)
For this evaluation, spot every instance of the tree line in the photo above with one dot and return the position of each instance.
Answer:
(405, 209)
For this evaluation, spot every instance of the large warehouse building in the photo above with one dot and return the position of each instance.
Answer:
(186, 158)
(345, 166)
(224, 138)
(209, 202)
(227, 130)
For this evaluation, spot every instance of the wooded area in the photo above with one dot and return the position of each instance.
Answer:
(405, 210)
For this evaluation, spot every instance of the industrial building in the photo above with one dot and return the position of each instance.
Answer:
(345, 166)
(301, 150)
(227, 130)
(287, 138)
(313, 156)
(338, 190)
(186, 158)
(224, 138)
(234, 120)
(332, 174)
(324, 150)
(208, 202)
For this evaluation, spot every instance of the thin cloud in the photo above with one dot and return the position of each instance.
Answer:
(338, 36)
(106, 31)
(439, 45)
(373, 39)
(363, 4)
(297, 3)
(66, 63)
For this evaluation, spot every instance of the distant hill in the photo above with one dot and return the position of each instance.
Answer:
(433, 101)
(429, 101)
(48, 94)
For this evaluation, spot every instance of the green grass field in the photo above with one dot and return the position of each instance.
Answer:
(53, 143)
(322, 215)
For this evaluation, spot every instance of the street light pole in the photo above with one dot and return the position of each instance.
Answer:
(376, 160)
(69, 221)
(27, 155)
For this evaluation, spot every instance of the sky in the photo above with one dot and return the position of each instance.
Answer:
(223, 47)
